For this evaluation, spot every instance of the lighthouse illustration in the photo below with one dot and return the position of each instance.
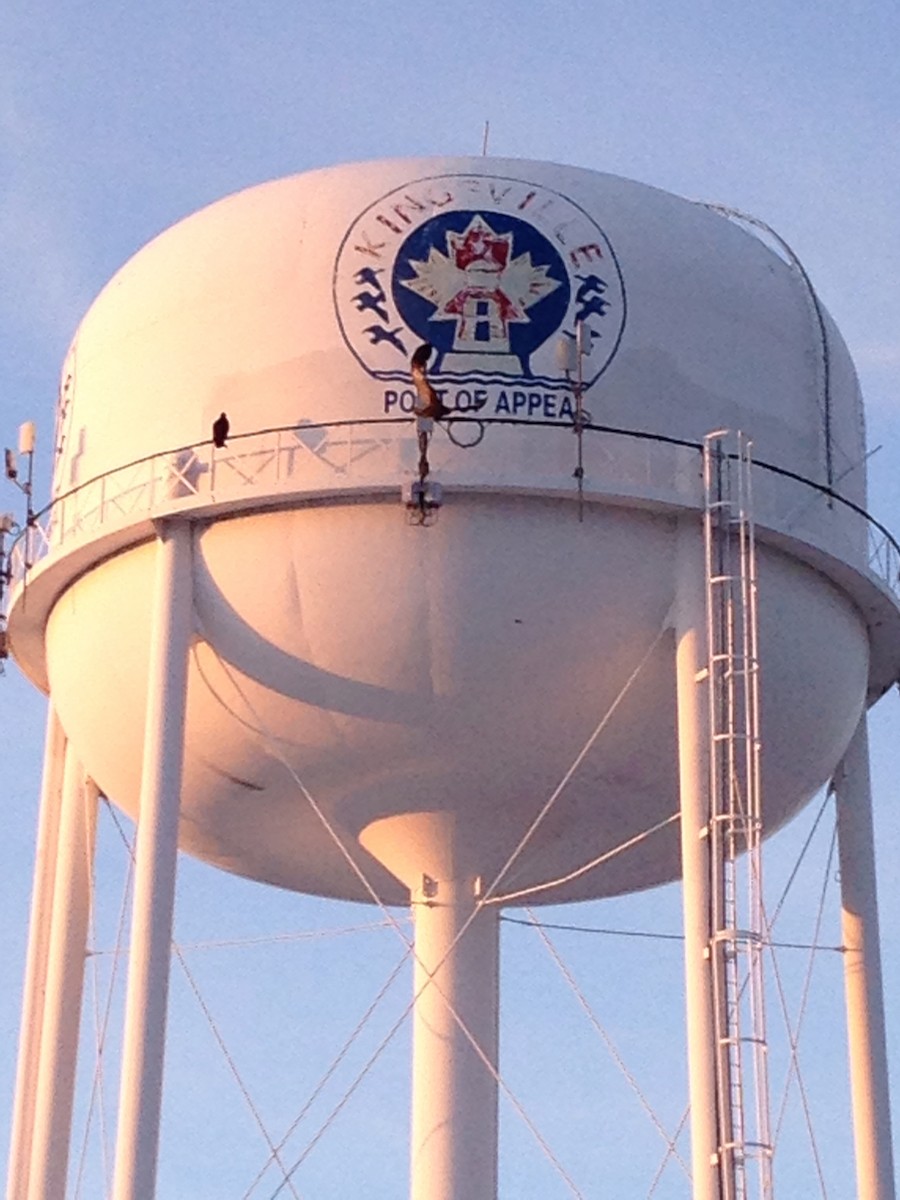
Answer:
(482, 287)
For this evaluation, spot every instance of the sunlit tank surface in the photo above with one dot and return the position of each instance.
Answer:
(461, 667)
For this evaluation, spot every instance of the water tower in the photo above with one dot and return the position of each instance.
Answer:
(590, 643)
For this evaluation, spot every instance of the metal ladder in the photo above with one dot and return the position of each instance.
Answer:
(737, 917)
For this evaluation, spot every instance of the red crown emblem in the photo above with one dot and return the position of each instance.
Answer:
(480, 248)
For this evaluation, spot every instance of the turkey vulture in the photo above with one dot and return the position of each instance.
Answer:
(429, 403)
(220, 428)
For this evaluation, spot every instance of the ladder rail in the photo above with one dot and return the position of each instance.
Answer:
(735, 829)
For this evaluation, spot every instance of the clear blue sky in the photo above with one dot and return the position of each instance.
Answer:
(115, 121)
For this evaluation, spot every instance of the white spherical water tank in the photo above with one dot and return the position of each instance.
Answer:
(456, 668)
(378, 706)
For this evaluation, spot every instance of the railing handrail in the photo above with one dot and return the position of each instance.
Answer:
(593, 427)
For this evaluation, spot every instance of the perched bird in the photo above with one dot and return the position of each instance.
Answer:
(419, 360)
(220, 428)
(429, 403)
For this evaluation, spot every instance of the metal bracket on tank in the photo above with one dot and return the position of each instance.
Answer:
(422, 499)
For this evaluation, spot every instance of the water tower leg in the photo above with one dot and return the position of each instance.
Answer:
(862, 974)
(155, 862)
(36, 963)
(61, 1018)
(454, 1090)
(694, 782)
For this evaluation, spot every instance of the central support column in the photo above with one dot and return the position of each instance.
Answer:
(456, 1014)
(454, 1116)
(689, 618)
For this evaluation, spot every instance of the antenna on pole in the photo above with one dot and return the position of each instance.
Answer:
(571, 350)
(27, 437)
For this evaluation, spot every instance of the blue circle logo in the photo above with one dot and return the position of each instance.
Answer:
(486, 289)
(497, 274)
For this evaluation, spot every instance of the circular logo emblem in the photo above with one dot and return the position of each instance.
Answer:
(497, 274)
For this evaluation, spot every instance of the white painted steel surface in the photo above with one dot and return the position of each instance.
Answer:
(446, 677)
(453, 1138)
(34, 988)
(467, 662)
(869, 1087)
(250, 306)
(694, 783)
(54, 1078)
(464, 665)
(156, 845)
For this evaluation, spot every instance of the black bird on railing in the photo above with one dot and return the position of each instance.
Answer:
(428, 403)
(220, 428)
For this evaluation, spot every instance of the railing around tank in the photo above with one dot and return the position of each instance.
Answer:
(353, 454)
